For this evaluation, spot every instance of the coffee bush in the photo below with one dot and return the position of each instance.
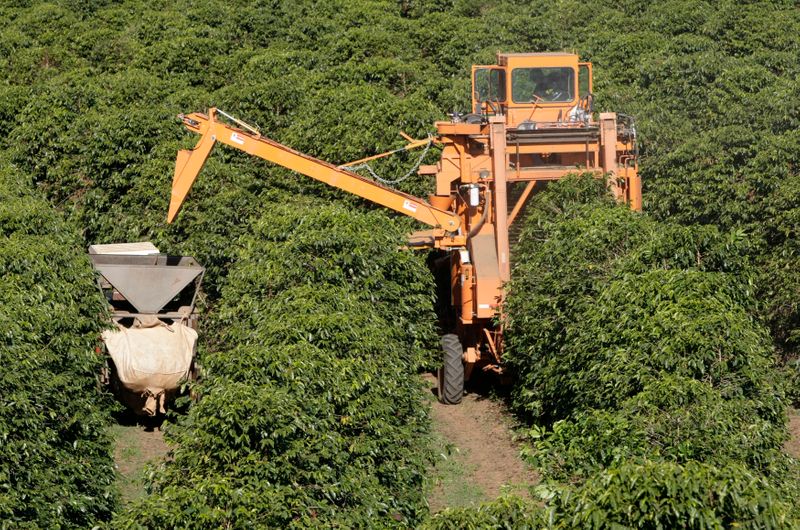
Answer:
(311, 408)
(56, 469)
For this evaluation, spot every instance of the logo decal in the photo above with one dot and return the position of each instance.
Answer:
(410, 206)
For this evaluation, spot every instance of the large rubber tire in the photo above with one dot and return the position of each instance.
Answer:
(451, 374)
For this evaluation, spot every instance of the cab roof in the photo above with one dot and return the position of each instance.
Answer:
(537, 54)
(543, 59)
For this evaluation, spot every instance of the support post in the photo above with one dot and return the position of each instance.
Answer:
(497, 135)
(608, 137)
(635, 187)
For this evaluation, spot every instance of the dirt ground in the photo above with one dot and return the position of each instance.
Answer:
(477, 460)
(792, 446)
(137, 443)
(478, 457)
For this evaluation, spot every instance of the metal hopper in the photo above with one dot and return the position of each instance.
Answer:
(137, 280)
(152, 345)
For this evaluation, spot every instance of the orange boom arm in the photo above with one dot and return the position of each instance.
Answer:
(190, 163)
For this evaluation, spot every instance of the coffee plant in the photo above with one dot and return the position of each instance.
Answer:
(310, 409)
(638, 341)
(644, 346)
(56, 469)
(637, 494)
(657, 494)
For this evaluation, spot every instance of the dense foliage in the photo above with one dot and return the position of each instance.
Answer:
(651, 383)
(55, 455)
(310, 413)
(641, 494)
(624, 327)
(330, 376)
(650, 379)
(711, 85)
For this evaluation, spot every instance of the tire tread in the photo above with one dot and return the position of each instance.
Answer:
(451, 375)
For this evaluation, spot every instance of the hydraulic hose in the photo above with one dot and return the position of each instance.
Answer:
(475, 229)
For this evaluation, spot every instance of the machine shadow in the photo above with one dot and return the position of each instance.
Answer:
(127, 418)
(482, 385)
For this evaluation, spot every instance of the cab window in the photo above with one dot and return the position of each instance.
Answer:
(490, 84)
(583, 80)
(550, 85)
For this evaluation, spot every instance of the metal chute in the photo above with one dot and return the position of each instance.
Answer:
(152, 303)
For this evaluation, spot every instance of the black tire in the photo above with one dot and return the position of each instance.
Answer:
(451, 374)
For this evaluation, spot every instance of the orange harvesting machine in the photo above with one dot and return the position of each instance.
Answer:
(531, 121)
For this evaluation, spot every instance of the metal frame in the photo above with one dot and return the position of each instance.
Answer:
(148, 283)
(541, 140)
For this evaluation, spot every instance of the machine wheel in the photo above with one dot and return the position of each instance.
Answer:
(451, 374)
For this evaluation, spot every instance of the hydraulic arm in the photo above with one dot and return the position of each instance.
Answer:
(249, 140)
(531, 122)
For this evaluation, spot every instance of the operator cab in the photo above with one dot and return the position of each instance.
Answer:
(534, 90)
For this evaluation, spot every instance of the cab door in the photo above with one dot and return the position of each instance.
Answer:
(488, 85)
(584, 79)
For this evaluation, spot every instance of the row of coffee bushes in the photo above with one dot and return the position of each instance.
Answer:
(638, 494)
(311, 412)
(642, 363)
(88, 111)
(56, 469)
(650, 385)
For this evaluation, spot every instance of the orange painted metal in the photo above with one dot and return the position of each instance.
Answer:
(467, 283)
(497, 128)
(412, 144)
(520, 202)
(608, 139)
(190, 162)
(634, 189)
(500, 143)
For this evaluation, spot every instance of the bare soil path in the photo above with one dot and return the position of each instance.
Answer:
(792, 445)
(478, 457)
(137, 443)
